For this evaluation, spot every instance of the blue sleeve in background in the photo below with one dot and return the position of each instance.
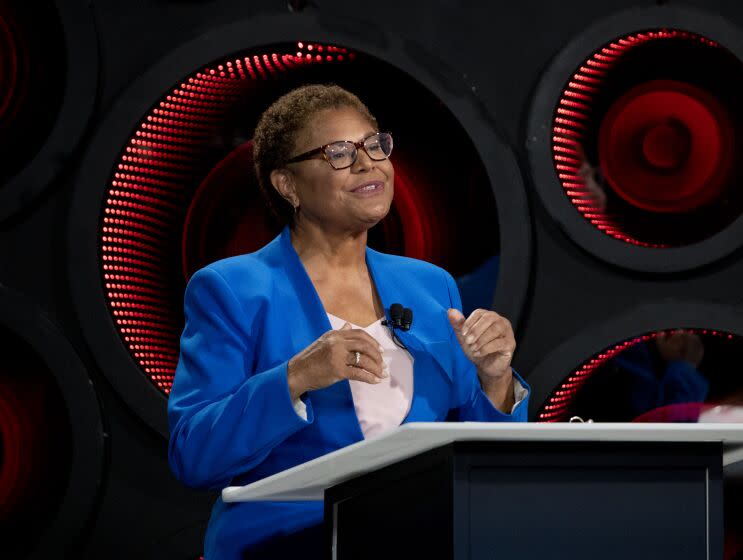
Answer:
(677, 381)
(477, 289)
(682, 383)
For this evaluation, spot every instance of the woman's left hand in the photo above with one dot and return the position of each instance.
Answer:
(487, 340)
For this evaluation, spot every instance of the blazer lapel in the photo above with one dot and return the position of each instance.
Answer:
(393, 292)
(308, 301)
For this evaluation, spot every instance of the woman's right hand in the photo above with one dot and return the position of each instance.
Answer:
(332, 358)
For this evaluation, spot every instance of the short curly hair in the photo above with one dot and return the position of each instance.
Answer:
(277, 129)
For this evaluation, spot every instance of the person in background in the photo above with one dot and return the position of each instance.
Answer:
(647, 376)
(285, 354)
(668, 376)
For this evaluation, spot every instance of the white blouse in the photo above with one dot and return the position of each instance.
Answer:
(382, 406)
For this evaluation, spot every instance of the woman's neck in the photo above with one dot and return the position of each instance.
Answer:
(322, 248)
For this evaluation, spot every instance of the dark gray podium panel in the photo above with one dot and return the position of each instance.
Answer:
(491, 500)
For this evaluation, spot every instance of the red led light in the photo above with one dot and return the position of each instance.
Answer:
(148, 192)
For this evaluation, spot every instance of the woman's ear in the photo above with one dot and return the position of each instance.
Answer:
(282, 181)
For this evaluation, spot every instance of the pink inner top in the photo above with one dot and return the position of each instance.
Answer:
(382, 407)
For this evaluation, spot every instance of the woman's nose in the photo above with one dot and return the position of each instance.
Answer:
(363, 161)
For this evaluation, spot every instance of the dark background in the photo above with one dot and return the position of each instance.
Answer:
(494, 52)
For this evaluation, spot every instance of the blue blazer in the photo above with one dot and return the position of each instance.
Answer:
(231, 417)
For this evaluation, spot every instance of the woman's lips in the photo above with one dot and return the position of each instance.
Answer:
(369, 189)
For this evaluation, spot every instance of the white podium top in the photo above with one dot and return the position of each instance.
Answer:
(309, 480)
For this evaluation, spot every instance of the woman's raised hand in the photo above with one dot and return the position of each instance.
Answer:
(332, 358)
(487, 340)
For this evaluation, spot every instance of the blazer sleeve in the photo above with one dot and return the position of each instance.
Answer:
(470, 403)
(224, 418)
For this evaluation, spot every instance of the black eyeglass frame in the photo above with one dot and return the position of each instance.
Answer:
(361, 144)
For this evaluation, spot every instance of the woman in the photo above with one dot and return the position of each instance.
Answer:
(285, 357)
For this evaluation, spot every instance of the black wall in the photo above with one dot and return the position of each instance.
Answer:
(485, 57)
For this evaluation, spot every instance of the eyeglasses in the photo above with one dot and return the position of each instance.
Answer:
(343, 153)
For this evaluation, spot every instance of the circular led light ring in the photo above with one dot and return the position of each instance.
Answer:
(88, 287)
(557, 126)
(558, 377)
(557, 408)
(570, 122)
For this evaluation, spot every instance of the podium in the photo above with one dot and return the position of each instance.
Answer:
(520, 491)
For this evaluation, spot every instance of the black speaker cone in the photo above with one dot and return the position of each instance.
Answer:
(645, 135)
(51, 437)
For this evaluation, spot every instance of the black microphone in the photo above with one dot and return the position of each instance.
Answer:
(407, 319)
(396, 312)
(400, 318)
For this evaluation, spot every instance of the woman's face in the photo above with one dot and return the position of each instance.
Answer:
(337, 198)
